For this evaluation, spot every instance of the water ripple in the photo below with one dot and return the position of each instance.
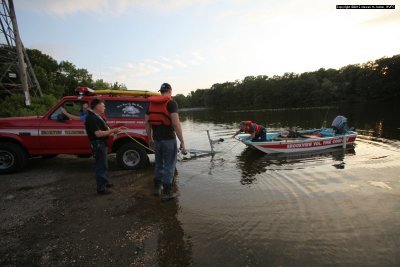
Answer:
(335, 207)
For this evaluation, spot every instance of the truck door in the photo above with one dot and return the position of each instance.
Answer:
(63, 131)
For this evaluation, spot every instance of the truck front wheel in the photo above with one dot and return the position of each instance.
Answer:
(13, 157)
(131, 156)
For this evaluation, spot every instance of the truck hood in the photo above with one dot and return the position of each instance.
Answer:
(13, 122)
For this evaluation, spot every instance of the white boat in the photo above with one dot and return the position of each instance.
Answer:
(302, 141)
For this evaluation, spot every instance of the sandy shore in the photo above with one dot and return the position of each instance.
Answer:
(51, 216)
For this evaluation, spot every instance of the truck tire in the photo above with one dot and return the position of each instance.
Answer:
(13, 158)
(132, 156)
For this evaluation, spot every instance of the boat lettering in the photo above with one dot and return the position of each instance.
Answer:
(315, 143)
(337, 141)
(300, 145)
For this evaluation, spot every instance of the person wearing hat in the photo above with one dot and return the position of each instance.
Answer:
(162, 127)
(258, 133)
(98, 132)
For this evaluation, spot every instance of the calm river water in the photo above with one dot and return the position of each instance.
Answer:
(334, 208)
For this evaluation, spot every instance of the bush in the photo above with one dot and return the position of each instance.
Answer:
(14, 106)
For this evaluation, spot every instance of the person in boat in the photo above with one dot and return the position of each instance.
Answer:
(258, 133)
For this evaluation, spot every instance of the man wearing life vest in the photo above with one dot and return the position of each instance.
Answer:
(162, 127)
(257, 132)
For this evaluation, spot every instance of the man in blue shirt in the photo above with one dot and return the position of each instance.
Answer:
(81, 117)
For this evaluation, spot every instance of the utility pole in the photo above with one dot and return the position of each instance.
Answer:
(20, 53)
(14, 58)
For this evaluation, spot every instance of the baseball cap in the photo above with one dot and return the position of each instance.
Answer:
(165, 87)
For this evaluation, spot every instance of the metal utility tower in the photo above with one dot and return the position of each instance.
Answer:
(16, 72)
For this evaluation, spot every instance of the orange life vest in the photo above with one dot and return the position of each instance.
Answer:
(255, 125)
(158, 112)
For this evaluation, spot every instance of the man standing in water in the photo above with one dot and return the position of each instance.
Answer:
(98, 133)
(162, 127)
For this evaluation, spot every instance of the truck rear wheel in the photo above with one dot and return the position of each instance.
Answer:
(13, 158)
(131, 156)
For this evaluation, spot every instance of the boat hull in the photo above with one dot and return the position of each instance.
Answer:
(295, 145)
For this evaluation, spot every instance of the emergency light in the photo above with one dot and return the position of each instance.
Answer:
(84, 90)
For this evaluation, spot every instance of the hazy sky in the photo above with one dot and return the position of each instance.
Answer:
(195, 43)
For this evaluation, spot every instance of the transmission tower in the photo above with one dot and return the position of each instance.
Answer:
(16, 72)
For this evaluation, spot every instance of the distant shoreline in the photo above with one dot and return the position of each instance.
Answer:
(193, 109)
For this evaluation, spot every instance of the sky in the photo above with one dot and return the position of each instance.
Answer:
(193, 44)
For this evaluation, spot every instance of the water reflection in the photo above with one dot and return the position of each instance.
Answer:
(168, 245)
(379, 129)
(325, 208)
(252, 162)
(376, 131)
(174, 248)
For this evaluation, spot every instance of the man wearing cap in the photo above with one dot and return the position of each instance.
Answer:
(162, 127)
(98, 132)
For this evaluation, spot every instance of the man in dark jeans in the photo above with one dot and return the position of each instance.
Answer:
(98, 132)
(258, 133)
(162, 127)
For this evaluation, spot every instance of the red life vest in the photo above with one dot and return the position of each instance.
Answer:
(158, 112)
(255, 125)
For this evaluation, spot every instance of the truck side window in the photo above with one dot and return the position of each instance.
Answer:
(55, 114)
(72, 110)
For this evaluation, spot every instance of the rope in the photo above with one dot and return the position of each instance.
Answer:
(146, 147)
(238, 142)
(124, 131)
(122, 128)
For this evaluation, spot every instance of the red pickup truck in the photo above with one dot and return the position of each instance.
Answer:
(54, 133)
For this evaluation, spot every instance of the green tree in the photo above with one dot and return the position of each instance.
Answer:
(13, 105)
(101, 84)
(69, 77)
(181, 100)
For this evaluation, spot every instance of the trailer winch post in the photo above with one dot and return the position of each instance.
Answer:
(211, 143)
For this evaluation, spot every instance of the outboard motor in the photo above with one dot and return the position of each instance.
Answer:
(339, 125)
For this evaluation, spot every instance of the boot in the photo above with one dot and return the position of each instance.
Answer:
(167, 193)
(157, 188)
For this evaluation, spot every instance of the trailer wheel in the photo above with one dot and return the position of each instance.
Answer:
(13, 158)
(131, 156)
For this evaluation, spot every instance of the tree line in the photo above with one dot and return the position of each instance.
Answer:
(57, 79)
(377, 80)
